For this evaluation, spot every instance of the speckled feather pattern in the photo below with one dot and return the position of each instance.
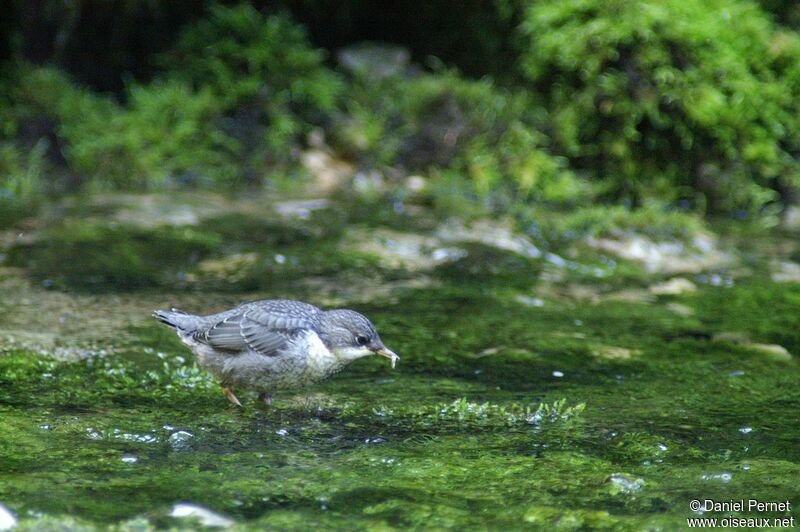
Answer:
(264, 345)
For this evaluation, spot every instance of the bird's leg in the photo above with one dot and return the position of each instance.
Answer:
(227, 392)
(265, 398)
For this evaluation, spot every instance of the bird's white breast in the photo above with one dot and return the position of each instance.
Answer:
(320, 362)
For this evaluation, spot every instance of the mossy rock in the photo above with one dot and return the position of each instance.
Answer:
(94, 256)
(486, 264)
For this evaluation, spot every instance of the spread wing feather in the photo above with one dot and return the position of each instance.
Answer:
(261, 328)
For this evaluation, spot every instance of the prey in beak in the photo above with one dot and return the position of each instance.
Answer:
(388, 353)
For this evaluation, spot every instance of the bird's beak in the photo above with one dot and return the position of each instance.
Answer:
(388, 353)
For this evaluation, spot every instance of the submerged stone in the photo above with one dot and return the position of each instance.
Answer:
(614, 352)
(529, 301)
(785, 272)
(488, 233)
(302, 209)
(673, 287)
(674, 256)
(624, 483)
(772, 351)
(719, 477)
(374, 61)
(397, 250)
(7, 519)
(205, 516)
(180, 440)
(684, 311)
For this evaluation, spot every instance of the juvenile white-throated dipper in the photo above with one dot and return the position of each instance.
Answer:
(276, 344)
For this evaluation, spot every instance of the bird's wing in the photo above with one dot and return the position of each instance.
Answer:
(262, 329)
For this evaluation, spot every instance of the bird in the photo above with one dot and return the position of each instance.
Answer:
(275, 344)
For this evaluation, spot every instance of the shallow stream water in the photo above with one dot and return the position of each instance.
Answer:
(574, 389)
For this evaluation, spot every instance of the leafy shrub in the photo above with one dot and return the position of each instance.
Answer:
(242, 90)
(272, 83)
(166, 132)
(27, 138)
(670, 98)
(448, 126)
(21, 176)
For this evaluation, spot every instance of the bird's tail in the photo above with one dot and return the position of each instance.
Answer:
(177, 319)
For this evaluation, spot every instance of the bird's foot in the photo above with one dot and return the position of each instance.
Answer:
(265, 398)
(227, 392)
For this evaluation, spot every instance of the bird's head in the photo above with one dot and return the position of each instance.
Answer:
(350, 335)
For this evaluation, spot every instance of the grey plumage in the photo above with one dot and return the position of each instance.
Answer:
(275, 344)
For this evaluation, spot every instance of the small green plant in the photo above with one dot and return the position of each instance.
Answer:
(557, 412)
(462, 411)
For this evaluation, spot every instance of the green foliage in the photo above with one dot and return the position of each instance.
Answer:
(242, 54)
(21, 177)
(166, 132)
(445, 125)
(259, 68)
(241, 91)
(669, 101)
(605, 220)
(669, 98)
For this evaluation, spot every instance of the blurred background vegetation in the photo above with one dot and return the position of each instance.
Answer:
(667, 105)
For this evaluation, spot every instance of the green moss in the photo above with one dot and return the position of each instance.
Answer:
(481, 425)
(87, 255)
(630, 84)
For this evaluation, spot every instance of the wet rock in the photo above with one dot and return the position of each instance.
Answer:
(154, 210)
(328, 172)
(488, 233)
(232, 268)
(395, 249)
(181, 440)
(791, 218)
(300, 209)
(673, 287)
(730, 337)
(701, 253)
(415, 183)
(374, 61)
(7, 519)
(614, 352)
(624, 483)
(785, 272)
(629, 295)
(205, 516)
(772, 351)
(680, 309)
(718, 477)
(529, 301)
(489, 351)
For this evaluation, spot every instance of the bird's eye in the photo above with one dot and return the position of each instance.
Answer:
(362, 340)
